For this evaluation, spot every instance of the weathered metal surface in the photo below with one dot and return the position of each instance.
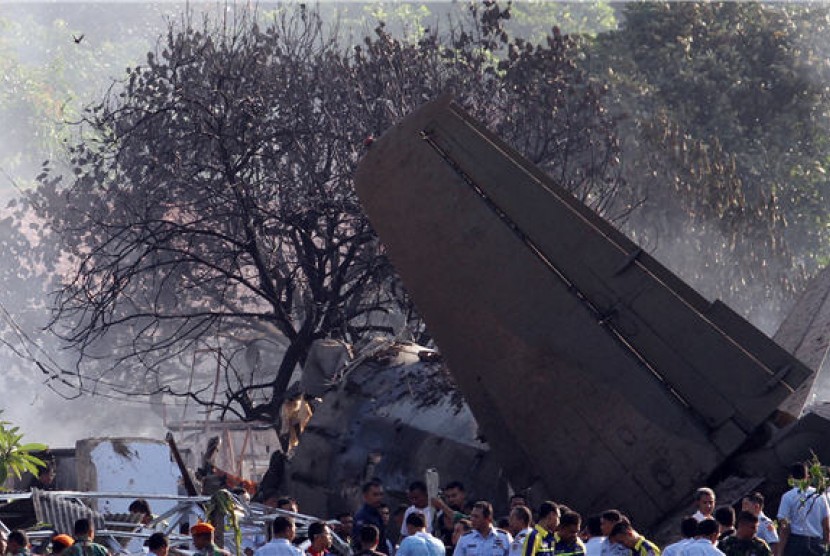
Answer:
(594, 372)
(385, 416)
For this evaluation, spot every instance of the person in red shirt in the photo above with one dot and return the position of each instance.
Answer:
(320, 537)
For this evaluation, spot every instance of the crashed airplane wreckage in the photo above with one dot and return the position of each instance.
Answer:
(598, 377)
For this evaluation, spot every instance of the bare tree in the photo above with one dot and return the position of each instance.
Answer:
(211, 199)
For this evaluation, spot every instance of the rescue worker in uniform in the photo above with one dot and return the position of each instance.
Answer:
(60, 543)
(767, 530)
(519, 526)
(202, 535)
(542, 540)
(484, 539)
(623, 533)
(568, 542)
(84, 532)
(745, 541)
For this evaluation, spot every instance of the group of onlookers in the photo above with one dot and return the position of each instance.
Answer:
(470, 529)
(451, 524)
(802, 527)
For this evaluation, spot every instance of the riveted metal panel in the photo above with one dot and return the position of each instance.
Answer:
(590, 367)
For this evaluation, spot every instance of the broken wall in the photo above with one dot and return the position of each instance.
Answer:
(126, 465)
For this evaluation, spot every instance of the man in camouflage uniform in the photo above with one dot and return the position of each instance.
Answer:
(745, 541)
(84, 532)
(202, 535)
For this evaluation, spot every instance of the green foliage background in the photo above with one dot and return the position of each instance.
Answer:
(16, 457)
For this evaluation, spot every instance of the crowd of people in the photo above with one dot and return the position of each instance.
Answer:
(451, 525)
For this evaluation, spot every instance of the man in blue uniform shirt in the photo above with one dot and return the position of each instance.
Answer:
(767, 530)
(484, 539)
(417, 541)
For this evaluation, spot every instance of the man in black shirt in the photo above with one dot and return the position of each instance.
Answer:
(369, 537)
(369, 514)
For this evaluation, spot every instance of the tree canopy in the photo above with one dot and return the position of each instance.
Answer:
(210, 206)
(724, 112)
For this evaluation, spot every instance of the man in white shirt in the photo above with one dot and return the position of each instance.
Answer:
(704, 542)
(593, 526)
(283, 530)
(688, 529)
(705, 501)
(419, 503)
(519, 526)
(805, 518)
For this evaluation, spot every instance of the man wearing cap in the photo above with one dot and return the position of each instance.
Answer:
(202, 535)
(84, 532)
(60, 543)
